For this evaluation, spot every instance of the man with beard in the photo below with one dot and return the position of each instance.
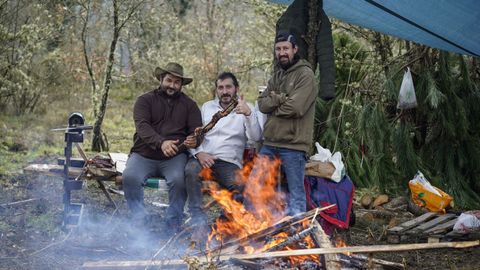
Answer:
(289, 103)
(164, 118)
(223, 146)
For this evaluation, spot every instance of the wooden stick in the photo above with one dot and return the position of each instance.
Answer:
(18, 202)
(101, 185)
(378, 261)
(356, 249)
(82, 153)
(301, 252)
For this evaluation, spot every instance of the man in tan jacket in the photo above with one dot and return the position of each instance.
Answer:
(289, 103)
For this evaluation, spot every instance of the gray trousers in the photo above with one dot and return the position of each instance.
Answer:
(139, 169)
(224, 174)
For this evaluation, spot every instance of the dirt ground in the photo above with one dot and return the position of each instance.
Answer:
(31, 236)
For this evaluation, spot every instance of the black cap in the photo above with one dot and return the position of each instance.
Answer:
(284, 36)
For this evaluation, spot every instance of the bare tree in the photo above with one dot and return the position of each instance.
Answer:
(100, 98)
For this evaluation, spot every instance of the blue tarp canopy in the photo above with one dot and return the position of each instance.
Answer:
(450, 25)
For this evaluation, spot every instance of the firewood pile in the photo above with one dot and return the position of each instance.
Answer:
(292, 234)
(299, 232)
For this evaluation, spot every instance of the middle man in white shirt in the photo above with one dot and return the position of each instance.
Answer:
(223, 146)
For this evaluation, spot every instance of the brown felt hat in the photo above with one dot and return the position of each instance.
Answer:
(174, 69)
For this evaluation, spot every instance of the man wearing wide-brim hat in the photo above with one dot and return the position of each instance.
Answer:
(164, 118)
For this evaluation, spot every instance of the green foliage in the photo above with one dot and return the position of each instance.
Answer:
(451, 145)
(29, 71)
(406, 157)
(211, 38)
(384, 147)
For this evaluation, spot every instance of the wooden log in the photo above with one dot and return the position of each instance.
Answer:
(323, 241)
(381, 199)
(301, 252)
(292, 239)
(366, 200)
(398, 203)
(272, 230)
(415, 209)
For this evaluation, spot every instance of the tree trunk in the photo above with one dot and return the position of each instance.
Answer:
(312, 32)
(383, 48)
(87, 61)
(98, 141)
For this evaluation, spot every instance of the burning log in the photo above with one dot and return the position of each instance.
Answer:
(233, 245)
(292, 239)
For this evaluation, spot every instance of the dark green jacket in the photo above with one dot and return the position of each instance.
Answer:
(289, 102)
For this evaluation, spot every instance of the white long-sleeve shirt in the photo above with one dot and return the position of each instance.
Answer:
(228, 137)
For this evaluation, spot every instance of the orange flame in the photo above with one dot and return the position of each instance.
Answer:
(263, 206)
(340, 243)
(206, 174)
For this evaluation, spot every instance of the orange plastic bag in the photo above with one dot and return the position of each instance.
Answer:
(428, 196)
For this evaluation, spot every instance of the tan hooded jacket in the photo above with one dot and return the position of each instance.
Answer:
(289, 102)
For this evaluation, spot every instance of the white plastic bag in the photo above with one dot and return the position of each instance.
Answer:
(322, 154)
(420, 179)
(339, 172)
(406, 97)
(325, 155)
(466, 223)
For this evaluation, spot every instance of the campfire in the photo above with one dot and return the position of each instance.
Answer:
(262, 210)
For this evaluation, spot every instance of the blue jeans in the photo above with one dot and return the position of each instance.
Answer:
(223, 173)
(139, 169)
(293, 165)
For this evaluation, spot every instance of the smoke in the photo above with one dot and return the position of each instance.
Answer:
(35, 238)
